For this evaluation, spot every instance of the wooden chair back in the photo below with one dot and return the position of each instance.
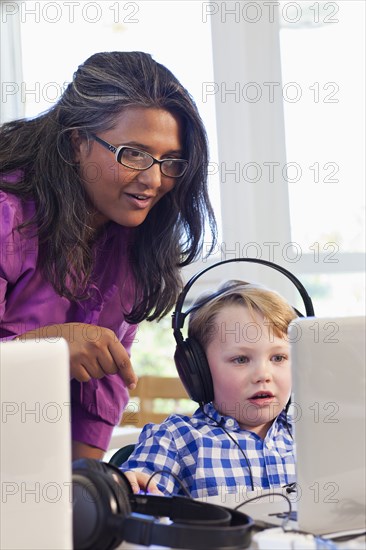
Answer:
(141, 407)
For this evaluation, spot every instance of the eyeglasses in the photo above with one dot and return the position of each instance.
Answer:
(140, 160)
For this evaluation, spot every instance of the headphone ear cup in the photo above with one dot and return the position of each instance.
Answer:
(194, 371)
(103, 518)
(106, 468)
(100, 492)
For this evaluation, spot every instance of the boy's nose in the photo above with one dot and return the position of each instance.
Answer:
(263, 372)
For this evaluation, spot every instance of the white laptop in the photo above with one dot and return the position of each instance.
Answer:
(328, 404)
(329, 381)
(35, 439)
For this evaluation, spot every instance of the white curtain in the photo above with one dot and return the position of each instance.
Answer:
(255, 215)
(11, 105)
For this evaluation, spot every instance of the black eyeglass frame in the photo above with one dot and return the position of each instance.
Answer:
(117, 151)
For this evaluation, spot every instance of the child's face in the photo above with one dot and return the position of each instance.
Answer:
(250, 368)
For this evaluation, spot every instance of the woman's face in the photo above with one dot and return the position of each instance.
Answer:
(122, 194)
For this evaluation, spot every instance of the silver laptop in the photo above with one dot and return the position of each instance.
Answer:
(328, 364)
(35, 439)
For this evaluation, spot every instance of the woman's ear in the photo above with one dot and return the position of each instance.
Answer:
(77, 143)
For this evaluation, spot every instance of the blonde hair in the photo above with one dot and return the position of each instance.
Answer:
(256, 298)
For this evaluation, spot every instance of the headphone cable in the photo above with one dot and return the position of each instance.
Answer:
(219, 425)
(288, 513)
(169, 473)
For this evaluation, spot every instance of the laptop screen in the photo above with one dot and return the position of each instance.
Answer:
(328, 406)
(36, 488)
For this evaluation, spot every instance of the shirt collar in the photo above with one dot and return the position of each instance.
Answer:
(215, 418)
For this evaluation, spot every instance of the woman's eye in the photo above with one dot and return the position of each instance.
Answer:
(241, 359)
(134, 154)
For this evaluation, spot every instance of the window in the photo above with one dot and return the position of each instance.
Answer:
(290, 118)
(323, 72)
(57, 36)
(280, 87)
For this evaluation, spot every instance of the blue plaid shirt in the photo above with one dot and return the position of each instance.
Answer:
(207, 461)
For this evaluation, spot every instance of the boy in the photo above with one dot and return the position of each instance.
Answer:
(242, 438)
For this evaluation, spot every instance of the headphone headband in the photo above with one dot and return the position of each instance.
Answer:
(179, 316)
(190, 358)
(198, 534)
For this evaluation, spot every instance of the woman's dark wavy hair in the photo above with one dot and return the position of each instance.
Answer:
(171, 235)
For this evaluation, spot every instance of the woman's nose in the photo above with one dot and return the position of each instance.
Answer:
(151, 177)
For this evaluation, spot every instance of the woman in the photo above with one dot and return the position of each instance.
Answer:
(103, 199)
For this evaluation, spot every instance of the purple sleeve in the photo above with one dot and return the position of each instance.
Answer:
(10, 256)
(97, 405)
(28, 301)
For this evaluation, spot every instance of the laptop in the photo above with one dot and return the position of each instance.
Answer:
(328, 407)
(35, 446)
(329, 381)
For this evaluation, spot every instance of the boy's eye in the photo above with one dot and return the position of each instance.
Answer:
(241, 359)
(278, 358)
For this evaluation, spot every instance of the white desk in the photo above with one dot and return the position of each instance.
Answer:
(270, 539)
(272, 545)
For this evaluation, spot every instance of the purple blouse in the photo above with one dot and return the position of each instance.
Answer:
(28, 301)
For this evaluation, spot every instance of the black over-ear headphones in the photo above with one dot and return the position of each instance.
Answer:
(190, 358)
(106, 513)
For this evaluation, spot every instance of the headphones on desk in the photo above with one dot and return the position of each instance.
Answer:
(190, 358)
(106, 512)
